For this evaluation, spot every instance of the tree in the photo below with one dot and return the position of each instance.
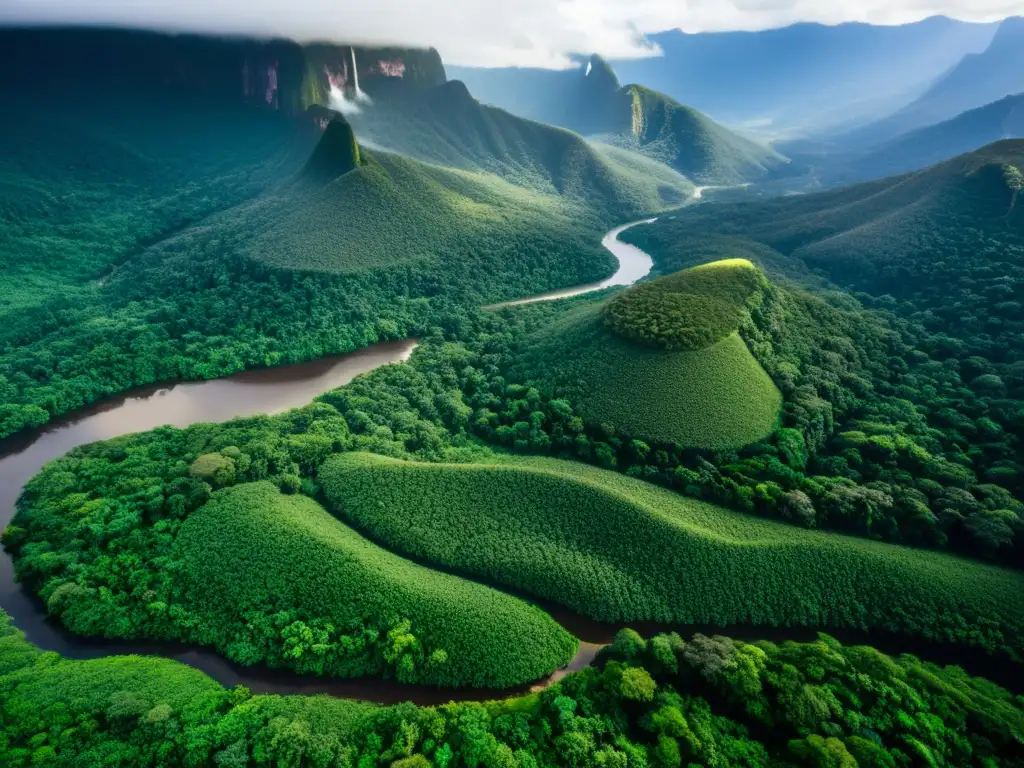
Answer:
(1015, 181)
(637, 684)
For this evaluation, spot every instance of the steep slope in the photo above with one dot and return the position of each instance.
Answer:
(447, 126)
(591, 102)
(336, 153)
(688, 141)
(979, 79)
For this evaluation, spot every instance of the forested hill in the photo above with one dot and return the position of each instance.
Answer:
(591, 102)
(278, 74)
(131, 211)
(446, 126)
(687, 140)
(937, 258)
(890, 235)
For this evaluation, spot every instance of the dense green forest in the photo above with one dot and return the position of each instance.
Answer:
(99, 532)
(163, 277)
(810, 417)
(906, 386)
(661, 702)
(618, 549)
(131, 538)
(661, 362)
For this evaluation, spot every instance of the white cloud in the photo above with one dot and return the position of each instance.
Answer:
(491, 32)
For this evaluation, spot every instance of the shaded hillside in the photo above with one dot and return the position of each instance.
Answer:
(877, 233)
(278, 74)
(1003, 119)
(336, 153)
(590, 102)
(977, 80)
(447, 126)
(88, 180)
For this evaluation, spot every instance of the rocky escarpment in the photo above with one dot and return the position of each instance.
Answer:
(278, 74)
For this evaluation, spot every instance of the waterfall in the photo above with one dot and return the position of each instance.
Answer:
(360, 96)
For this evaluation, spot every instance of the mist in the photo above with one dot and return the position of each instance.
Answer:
(535, 33)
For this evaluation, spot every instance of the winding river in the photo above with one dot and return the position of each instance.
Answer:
(270, 390)
(278, 389)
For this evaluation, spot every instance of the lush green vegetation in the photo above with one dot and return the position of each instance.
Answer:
(591, 102)
(147, 247)
(310, 267)
(684, 139)
(447, 126)
(662, 703)
(128, 539)
(87, 184)
(691, 309)
(716, 397)
(258, 566)
(907, 395)
(618, 549)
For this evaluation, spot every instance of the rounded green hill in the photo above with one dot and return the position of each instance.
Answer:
(691, 309)
(276, 578)
(662, 362)
(620, 549)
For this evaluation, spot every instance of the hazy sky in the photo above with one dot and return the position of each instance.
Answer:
(493, 32)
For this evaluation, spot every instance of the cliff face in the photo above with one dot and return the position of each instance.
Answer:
(278, 74)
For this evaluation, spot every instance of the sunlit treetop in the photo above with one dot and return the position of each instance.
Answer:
(691, 309)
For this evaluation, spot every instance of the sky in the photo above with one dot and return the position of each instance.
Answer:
(536, 33)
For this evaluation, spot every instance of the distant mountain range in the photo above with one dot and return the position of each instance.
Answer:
(446, 126)
(924, 147)
(977, 80)
(775, 81)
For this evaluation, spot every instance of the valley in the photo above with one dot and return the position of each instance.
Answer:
(353, 416)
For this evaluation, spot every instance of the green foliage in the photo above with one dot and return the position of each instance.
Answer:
(907, 395)
(259, 567)
(336, 153)
(1014, 178)
(618, 549)
(133, 711)
(689, 310)
(717, 397)
(166, 256)
(447, 126)
(687, 140)
(637, 685)
(116, 510)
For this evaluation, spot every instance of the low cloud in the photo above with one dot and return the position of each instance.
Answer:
(538, 33)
